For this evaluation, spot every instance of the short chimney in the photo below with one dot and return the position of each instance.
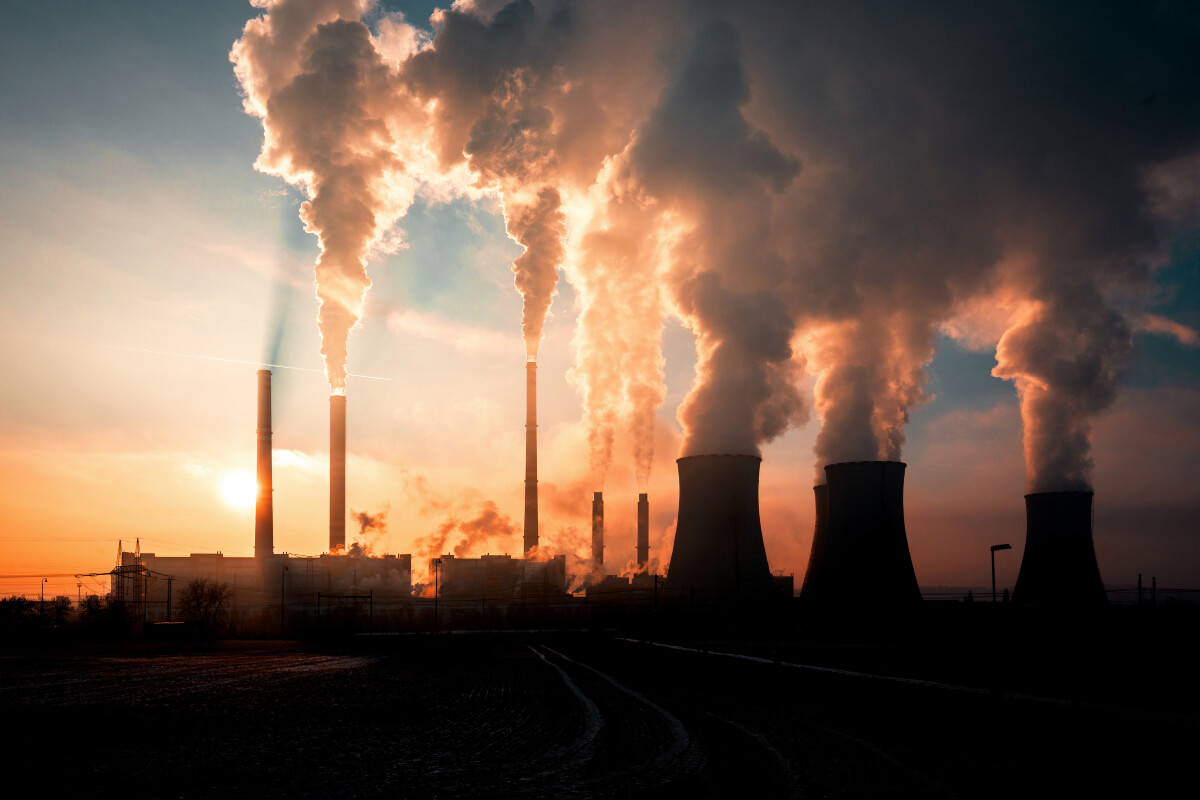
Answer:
(643, 530)
(598, 532)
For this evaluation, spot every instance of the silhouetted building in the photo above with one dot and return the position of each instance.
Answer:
(500, 577)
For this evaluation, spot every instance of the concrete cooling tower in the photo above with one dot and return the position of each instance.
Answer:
(718, 554)
(1059, 565)
(860, 548)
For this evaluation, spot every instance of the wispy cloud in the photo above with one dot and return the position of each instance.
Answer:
(460, 336)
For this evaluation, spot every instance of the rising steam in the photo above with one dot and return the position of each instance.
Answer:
(653, 151)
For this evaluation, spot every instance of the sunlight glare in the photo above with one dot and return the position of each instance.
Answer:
(238, 489)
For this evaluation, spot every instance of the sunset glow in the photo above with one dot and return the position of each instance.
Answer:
(238, 489)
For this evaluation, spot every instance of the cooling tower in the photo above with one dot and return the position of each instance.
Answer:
(337, 473)
(264, 514)
(531, 498)
(860, 554)
(598, 531)
(718, 553)
(816, 556)
(643, 532)
(1059, 565)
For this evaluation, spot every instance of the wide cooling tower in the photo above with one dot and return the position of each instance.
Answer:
(718, 554)
(1059, 565)
(860, 550)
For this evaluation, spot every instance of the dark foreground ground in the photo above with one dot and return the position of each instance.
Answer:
(557, 715)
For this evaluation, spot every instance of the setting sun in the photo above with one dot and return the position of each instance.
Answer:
(238, 489)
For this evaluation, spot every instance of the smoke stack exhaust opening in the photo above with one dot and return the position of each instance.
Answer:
(860, 548)
(1058, 568)
(718, 554)
(531, 493)
(264, 510)
(643, 531)
(337, 473)
(598, 531)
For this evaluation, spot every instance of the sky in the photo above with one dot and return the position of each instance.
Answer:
(149, 267)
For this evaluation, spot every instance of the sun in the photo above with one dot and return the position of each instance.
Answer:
(238, 489)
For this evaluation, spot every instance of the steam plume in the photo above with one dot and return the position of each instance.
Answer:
(312, 73)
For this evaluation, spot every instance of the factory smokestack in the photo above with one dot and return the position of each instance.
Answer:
(718, 553)
(264, 513)
(643, 533)
(598, 531)
(1059, 565)
(860, 549)
(531, 494)
(337, 473)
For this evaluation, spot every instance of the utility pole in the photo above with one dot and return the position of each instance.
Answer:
(170, 580)
(437, 562)
(282, 599)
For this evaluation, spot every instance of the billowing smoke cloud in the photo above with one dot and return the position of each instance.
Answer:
(719, 177)
(472, 532)
(370, 528)
(946, 168)
(485, 72)
(618, 369)
(655, 153)
(329, 103)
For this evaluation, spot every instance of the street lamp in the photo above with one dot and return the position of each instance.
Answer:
(437, 563)
(996, 547)
(282, 600)
(43, 588)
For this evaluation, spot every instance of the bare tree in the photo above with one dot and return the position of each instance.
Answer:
(206, 603)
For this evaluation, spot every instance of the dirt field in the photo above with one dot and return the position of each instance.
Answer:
(565, 716)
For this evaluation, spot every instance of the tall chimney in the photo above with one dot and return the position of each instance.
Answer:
(264, 514)
(598, 531)
(643, 533)
(337, 473)
(531, 497)
(1059, 565)
(861, 557)
(718, 554)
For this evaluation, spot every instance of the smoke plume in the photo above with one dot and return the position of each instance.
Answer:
(654, 151)
(370, 528)
(328, 103)
(719, 176)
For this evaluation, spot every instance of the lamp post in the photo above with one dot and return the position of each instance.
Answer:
(996, 547)
(437, 562)
(282, 599)
(43, 588)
